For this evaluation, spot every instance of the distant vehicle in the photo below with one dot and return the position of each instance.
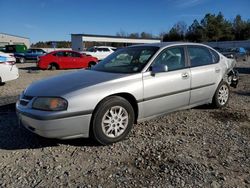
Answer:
(65, 59)
(34, 53)
(234, 53)
(8, 69)
(18, 50)
(2, 49)
(100, 52)
(131, 85)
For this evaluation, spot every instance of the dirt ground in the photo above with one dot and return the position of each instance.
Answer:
(200, 147)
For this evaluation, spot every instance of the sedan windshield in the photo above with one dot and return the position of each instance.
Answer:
(127, 60)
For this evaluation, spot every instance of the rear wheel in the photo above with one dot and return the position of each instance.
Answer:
(221, 96)
(53, 66)
(113, 120)
(91, 64)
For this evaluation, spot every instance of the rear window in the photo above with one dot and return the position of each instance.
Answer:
(215, 56)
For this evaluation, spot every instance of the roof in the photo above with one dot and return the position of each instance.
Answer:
(110, 36)
(15, 35)
(164, 44)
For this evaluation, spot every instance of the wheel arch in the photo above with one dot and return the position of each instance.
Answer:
(129, 97)
(54, 63)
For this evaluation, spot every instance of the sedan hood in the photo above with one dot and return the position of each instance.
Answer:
(65, 83)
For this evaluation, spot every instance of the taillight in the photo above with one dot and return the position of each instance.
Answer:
(9, 62)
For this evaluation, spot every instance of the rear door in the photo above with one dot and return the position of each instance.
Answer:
(169, 90)
(205, 73)
(78, 61)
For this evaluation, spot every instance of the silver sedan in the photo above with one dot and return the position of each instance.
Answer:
(133, 84)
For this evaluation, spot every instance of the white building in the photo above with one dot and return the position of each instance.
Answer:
(6, 39)
(78, 40)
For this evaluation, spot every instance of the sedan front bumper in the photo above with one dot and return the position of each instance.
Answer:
(61, 128)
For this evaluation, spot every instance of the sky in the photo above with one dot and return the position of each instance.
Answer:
(53, 20)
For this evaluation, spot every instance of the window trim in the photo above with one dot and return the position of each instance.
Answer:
(167, 48)
(211, 50)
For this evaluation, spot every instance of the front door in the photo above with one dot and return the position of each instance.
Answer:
(166, 91)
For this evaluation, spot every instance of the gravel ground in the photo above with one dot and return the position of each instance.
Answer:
(200, 147)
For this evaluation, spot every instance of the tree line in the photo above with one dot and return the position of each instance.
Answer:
(211, 27)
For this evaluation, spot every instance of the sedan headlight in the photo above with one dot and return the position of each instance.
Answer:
(50, 104)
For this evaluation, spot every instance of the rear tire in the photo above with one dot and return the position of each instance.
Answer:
(112, 120)
(53, 66)
(91, 64)
(221, 96)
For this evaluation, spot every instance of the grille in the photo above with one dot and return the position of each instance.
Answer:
(25, 100)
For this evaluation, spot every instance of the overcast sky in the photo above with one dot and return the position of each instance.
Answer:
(43, 20)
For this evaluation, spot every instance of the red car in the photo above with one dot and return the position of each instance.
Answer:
(65, 59)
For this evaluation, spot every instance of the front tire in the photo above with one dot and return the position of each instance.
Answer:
(221, 96)
(112, 120)
(21, 60)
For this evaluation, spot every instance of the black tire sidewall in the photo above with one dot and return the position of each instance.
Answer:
(215, 99)
(21, 60)
(99, 113)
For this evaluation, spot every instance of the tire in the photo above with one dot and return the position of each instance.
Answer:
(91, 64)
(52, 66)
(21, 60)
(1, 83)
(112, 120)
(221, 96)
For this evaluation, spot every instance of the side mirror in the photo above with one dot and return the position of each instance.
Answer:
(159, 68)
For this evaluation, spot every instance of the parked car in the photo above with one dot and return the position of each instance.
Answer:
(234, 53)
(8, 69)
(100, 52)
(34, 53)
(133, 84)
(65, 59)
(18, 50)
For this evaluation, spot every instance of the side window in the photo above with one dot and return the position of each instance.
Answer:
(68, 54)
(60, 54)
(105, 49)
(199, 56)
(215, 56)
(99, 49)
(75, 54)
(174, 58)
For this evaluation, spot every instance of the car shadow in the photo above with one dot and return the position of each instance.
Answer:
(243, 93)
(243, 70)
(29, 68)
(14, 137)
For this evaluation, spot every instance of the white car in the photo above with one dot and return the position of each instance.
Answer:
(8, 69)
(100, 52)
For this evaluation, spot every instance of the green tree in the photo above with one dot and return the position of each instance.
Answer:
(195, 32)
(239, 28)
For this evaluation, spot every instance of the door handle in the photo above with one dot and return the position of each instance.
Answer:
(184, 75)
(217, 70)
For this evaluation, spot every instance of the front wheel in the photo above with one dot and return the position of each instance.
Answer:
(112, 120)
(221, 96)
(21, 60)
